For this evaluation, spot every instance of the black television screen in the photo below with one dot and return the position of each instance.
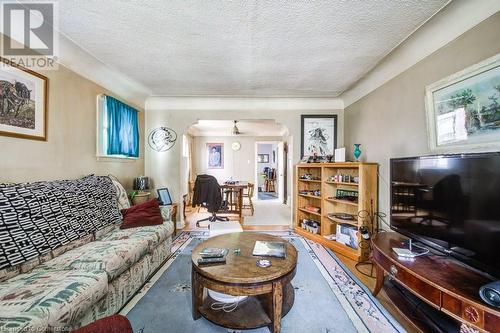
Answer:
(452, 203)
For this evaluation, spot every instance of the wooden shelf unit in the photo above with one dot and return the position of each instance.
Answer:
(367, 200)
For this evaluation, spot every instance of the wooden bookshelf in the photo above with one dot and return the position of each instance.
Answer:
(366, 186)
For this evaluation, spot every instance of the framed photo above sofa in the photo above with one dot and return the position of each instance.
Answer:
(23, 102)
(318, 134)
(463, 109)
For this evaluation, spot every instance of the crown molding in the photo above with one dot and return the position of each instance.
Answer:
(243, 103)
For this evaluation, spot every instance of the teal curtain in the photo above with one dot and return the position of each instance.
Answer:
(123, 128)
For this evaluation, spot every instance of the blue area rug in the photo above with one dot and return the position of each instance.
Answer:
(328, 298)
(267, 196)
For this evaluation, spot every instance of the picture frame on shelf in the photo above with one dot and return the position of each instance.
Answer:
(23, 104)
(318, 135)
(463, 109)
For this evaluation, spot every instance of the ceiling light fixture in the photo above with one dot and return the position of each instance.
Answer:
(236, 130)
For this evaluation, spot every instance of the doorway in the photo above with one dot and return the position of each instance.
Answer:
(242, 162)
(269, 171)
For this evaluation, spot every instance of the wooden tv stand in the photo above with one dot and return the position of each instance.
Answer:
(442, 282)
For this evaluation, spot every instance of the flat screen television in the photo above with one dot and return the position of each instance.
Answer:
(451, 203)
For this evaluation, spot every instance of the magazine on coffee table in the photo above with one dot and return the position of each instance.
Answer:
(269, 249)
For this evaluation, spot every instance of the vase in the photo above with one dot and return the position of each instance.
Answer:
(357, 151)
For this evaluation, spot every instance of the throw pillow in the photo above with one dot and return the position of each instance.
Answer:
(121, 194)
(141, 215)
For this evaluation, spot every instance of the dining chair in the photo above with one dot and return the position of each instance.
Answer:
(248, 193)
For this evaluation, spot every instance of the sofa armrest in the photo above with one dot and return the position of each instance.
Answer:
(166, 213)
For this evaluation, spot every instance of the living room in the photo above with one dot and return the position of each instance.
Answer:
(381, 120)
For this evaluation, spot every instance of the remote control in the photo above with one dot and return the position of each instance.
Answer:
(208, 261)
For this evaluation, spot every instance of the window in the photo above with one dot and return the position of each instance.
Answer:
(117, 129)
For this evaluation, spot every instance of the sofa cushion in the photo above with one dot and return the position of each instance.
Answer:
(14, 321)
(51, 298)
(154, 235)
(114, 257)
(123, 202)
(144, 214)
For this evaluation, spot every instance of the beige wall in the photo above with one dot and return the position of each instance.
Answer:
(237, 164)
(391, 121)
(70, 150)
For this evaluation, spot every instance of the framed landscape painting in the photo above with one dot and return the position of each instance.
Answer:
(463, 110)
(23, 102)
(215, 153)
(319, 135)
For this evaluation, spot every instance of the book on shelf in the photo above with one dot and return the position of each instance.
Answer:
(269, 249)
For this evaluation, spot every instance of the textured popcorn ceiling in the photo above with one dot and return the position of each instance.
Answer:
(243, 48)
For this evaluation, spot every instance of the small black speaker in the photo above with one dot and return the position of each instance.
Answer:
(490, 293)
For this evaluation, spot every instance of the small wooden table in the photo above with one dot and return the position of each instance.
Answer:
(270, 293)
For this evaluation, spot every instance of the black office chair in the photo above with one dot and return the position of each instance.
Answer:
(207, 193)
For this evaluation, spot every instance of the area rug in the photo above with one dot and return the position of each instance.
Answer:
(267, 196)
(328, 298)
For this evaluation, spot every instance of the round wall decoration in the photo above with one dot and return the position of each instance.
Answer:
(236, 146)
(162, 138)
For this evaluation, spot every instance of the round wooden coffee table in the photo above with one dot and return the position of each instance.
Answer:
(270, 293)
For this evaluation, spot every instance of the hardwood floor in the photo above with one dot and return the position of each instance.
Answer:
(193, 216)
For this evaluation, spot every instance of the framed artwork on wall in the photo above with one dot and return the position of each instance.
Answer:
(463, 110)
(23, 102)
(263, 158)
(215, 152)
(318, 134)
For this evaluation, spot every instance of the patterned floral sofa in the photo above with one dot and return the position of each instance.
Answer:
(80, 282)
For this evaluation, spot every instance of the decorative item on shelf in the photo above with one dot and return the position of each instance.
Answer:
(349, 195)
(23, 110)
(343, 178)
(319, 135)
(164, 196)
(162, 139)
(463, 109)
(314, 193)
(141, 183)
(341, 216)
(309, 176)
(339, 155)
(357, 151)
(138, 197)
(140, 194)
(313, 209)
(312, 226)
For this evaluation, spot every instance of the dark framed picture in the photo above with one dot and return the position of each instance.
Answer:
(263, 158)
(318, 135)
(215, 153)
(23, 102)
(164, 196)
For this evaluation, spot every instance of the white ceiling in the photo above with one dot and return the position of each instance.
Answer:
(246, 127)
(243, 48)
